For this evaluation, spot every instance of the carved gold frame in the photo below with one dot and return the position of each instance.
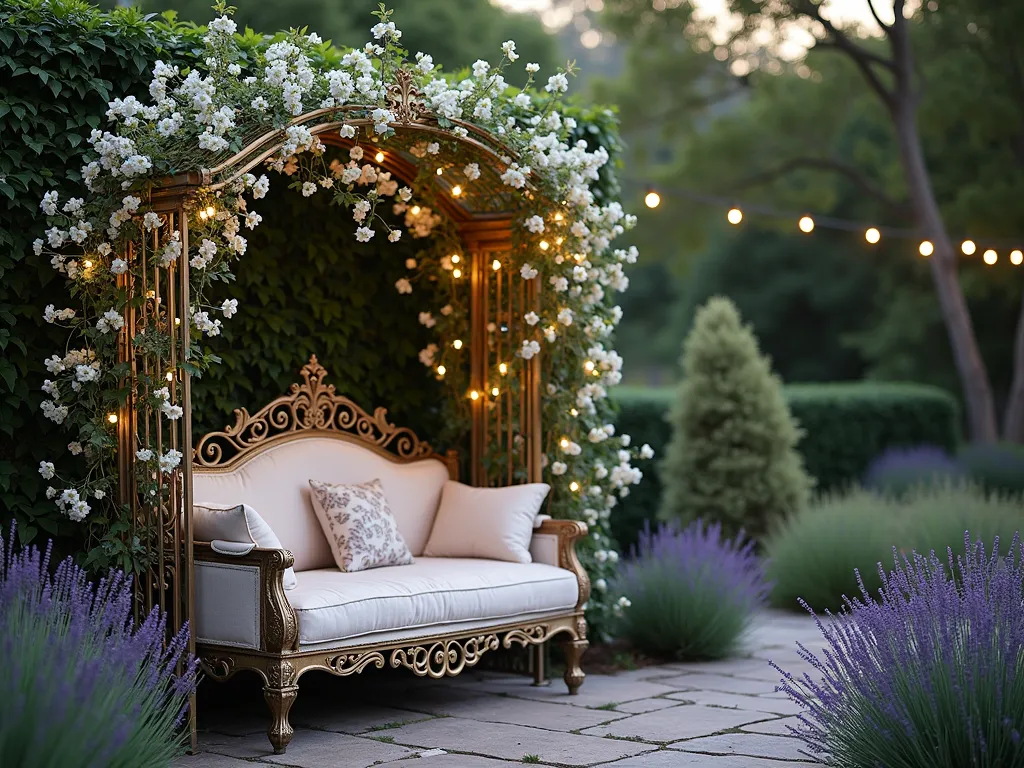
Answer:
(314, 409)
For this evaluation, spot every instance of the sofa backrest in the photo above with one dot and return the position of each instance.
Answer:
(275, 482)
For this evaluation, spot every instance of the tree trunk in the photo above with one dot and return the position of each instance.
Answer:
(977, 391)
(1013, 419)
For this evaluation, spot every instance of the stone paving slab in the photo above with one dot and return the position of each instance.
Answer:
(749, 744)
(646, 705)
(666, 725)
(312, 749)
(720, 683)
(597, 690)
(513, 742)
(347, 718)
(210, 760)
(776, 727)
(672, 759)
(449, 760)
(768, 704)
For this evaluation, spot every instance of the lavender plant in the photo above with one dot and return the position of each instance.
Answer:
(80, 685)
(929, 674)
(691, 592)
(897, 470)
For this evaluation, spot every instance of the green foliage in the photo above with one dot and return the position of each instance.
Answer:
(307, 287)
(455, 32)
(848, 425)
(732, 457)
(998, 468)
(813, 554)
(60, 63)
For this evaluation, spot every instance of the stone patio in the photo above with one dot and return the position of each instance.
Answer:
(716, 714)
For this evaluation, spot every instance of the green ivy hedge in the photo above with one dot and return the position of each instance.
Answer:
(846, 424)
(60, 63)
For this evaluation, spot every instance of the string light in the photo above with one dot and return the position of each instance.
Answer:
(441, 370)
(456, 273)
(112, 418)
(210, 211)
(573, 412)
(456, 190)
(564, 443)
(88, 264)
(502, 368)
(544, 245)
(558, 217)
(474, 395)
(457, 343)
(379, 157)
(170, 376)
(588, 366)
(872, 235)
(968, 247)
(177, 321)
(652, 199)
(734, 216)
(990, 257)
(1016, 257)
(926, 248)
(574, 486)
(440, 171)
(495, 391)
(456, 258)
(495, 265)
(415, 210)
(806, 224)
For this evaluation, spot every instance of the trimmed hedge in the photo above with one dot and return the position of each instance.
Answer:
(846, 424)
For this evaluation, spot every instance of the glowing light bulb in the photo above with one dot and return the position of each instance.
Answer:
(495, 391)
(456, 258)
(872, 235)
(456, 273)
(415, 210)
(211, 211)
(558, 217)
(474, 395)
(441, 370)
(379, 157)
(457, 343)
(502, 368)
(574, 486)
(112, 418)
(88, 264)
(735, 216)
(495, 265)
(170, 376)
(564, 442)
(926, 248)
(1016, 257)
(203, 216)
(440, 171)
(573, 412)
(652, 199)
(968, 247)
(177, 321)
(456, 190)
(588, 366)
(544, 245)
(806, 224)
(990, 257)
(558, 240)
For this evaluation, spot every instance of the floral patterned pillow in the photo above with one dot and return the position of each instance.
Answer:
(359, 525)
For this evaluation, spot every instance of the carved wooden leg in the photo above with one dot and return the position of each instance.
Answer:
(540, 672)
(280, 693)
(574, 650)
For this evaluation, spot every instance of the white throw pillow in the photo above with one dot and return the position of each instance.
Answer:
(359, 526)
(489, 523)
(236, 522)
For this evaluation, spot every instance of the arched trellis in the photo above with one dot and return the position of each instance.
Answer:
(159, 297)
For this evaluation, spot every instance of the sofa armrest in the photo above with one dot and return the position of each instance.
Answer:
(554, 543)
(251, 586)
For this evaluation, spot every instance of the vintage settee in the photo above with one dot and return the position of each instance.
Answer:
(435, 617)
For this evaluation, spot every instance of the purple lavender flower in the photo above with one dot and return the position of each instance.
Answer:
(81, 685)
(929, 674)
(898, 469)
(691, 593)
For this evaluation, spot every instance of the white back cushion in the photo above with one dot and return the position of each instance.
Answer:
(275, 483)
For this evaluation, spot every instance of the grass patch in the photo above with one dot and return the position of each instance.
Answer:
(609, 705)
(385, 739)
(531, 758)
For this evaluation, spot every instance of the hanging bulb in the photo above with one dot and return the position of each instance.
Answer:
(806, 224)
(456, 190)
(735, 216)
(926, 248)
(379, 157)
(441, 370)
(652, 199)
(990, 257)
(1016, 257)
(968, 247)
(872, 235)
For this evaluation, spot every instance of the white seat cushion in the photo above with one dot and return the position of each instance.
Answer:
(432, 592)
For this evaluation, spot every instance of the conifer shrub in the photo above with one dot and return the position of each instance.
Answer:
(732, 458)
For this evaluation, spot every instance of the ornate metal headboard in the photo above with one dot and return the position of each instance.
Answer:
(311, 409)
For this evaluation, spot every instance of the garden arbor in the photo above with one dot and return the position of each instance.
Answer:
(501, 391)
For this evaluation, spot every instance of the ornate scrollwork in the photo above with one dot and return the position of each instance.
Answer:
(354, 663)
(404, 99)
(526, 636)
(218, 667)
(445, 657)
(311, 405)
(280, 674)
